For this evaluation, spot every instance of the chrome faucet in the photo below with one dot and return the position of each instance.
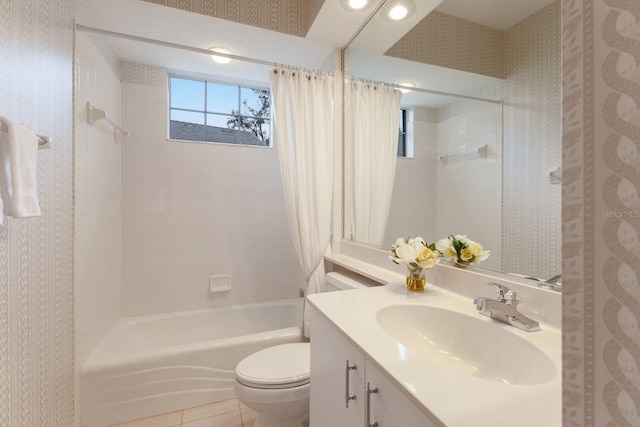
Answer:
(554, 280)
(554, 284)
(505, 309)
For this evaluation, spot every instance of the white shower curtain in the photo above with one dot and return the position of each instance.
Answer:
(302, 110)
(375, 112)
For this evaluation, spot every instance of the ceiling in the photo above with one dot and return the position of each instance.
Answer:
(379, 35)
(172, 25)
(331, 30)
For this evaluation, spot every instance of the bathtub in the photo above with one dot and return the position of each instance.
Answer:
(149, 365)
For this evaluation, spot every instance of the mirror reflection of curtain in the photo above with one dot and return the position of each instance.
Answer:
(303, 131)
(375, 117)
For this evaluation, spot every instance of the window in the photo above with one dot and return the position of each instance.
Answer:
(402, 134)
(214, 112)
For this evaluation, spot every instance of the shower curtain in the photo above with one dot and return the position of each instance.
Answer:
(375, 112)
(302, 109)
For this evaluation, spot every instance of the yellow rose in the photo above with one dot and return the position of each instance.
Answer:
(450, 252)
(466, 254)
(475, 249)
(425, 258)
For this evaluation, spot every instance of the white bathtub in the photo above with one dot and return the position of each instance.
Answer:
(150, 365)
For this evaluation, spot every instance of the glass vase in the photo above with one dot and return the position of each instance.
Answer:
(415, 279)
(462, 264)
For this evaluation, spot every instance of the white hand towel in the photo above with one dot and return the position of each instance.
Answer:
(19, 155)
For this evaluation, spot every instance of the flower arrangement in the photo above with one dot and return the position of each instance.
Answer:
(418, 257)
(414, 253)
(462, 250)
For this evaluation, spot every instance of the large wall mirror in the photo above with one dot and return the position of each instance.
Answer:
(485, 165)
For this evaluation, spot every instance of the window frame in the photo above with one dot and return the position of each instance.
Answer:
(403, 136)
(207, 113)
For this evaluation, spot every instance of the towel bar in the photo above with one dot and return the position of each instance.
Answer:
(465, 154)
(44, 142)
(94, 114)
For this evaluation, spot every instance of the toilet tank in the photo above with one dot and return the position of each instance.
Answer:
(341, 281)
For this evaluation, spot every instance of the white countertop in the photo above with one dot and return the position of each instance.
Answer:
(445, 395)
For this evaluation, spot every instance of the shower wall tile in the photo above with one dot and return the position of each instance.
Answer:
(193, 210)
(469, 191)
(97, 259)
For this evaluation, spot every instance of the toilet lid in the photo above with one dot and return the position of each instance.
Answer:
(281, 366)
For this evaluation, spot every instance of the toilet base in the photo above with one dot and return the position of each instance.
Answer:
(276, 407)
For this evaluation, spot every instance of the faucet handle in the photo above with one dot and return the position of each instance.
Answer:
(504, 292)
(511, 298)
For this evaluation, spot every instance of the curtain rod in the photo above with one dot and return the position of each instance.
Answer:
(453, 95)
(86, 29)
(430, 91)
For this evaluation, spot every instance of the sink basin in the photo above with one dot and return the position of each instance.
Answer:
(474, 346)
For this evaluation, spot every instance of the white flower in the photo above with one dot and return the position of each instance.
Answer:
(482, 256)
(445, 247)
(417, 240)
(414, 252)
(460, 248)
(406, 253)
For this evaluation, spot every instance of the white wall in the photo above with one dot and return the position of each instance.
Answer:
(98, 159)
(413, 205)
(192, 210)
(469, 190)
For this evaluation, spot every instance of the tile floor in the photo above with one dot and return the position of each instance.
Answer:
(229, 413)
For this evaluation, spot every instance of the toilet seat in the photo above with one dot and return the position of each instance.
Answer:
(279, 367)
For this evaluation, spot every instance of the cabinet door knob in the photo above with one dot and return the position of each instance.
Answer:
(367, 406)
(347, 395)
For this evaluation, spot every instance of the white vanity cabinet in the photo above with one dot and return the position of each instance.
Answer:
(388, 406)
(337, 378)
(340, 373)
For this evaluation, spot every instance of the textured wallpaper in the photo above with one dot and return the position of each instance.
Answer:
(617, 248)
(289, 16)
(532, 145)
(452, 42)
(36, 291)
(601, 143)
(142, 74)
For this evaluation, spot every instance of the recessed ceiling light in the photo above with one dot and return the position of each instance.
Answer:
(221, 59)
(355, 5)
(398, 10)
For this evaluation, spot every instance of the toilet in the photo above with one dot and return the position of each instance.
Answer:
(274, 382)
